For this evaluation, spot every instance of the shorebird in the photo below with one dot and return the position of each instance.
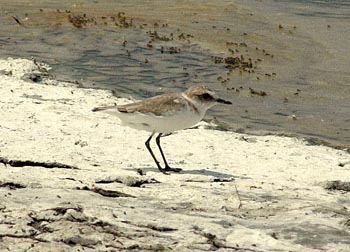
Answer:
(164, 114)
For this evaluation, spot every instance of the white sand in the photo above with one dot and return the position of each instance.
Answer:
(283, 205)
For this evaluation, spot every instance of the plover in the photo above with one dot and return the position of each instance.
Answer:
(164, 114)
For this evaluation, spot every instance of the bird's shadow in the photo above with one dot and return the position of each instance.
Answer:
(203, 172)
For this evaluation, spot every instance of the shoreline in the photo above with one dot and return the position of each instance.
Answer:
(77, 184)
(291, 87)
(218, 125)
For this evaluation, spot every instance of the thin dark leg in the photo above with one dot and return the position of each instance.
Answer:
(150, 151)
(167, 167)
(161, 151)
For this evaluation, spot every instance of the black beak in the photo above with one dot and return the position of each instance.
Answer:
(219, 100)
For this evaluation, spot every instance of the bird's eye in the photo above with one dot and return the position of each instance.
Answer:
(206, 96)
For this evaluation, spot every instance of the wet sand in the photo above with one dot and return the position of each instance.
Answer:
(74, 180)
(284, 79)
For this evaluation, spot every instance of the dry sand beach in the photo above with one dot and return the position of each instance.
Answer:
(73, 180)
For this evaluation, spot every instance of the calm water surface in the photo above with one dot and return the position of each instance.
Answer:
(300, 48)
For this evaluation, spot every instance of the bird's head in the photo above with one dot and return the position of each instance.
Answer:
(205, 97)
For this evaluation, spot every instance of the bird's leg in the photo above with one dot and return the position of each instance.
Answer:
(167, 167)
(150, 151)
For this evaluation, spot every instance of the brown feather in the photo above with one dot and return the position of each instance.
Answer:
(158, 104)
(154, 105)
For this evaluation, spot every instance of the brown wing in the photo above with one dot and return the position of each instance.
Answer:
(154, 105)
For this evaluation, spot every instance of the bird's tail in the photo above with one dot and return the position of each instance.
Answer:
(96, 109)
(102, 108)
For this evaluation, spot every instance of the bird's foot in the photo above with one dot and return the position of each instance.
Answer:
(169, 169)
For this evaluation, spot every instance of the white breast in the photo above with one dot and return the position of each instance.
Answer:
(167, 123)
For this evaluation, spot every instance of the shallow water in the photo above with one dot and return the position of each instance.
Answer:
(300, 52)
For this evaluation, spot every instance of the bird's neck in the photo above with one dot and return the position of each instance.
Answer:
(191, 103)
(198, 107)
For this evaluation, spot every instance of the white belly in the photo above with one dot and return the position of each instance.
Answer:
(162, 124)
